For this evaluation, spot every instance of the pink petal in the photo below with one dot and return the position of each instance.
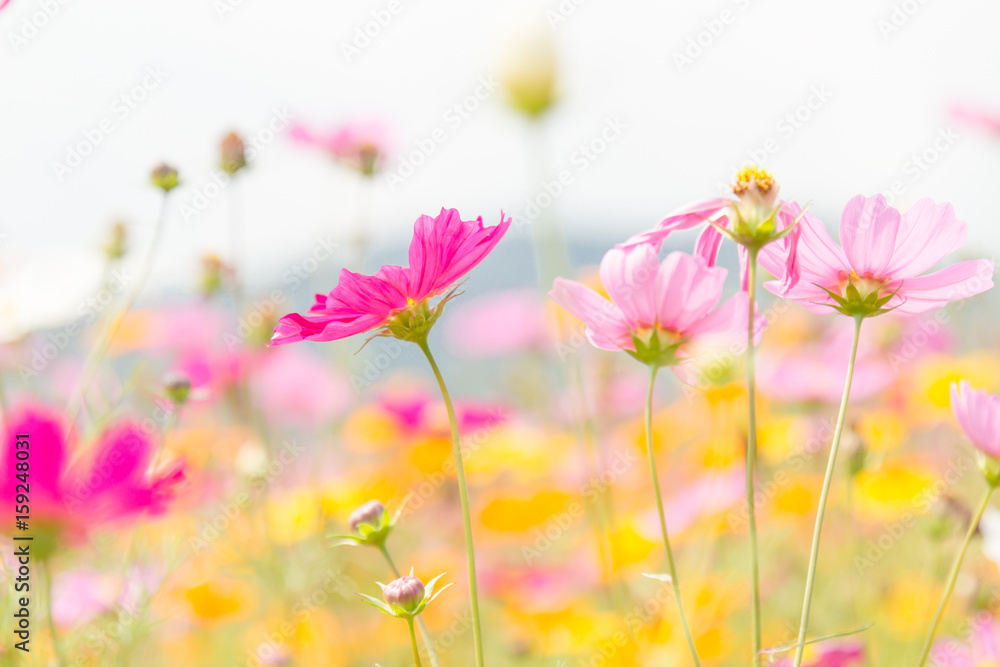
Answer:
(937, 289)
(605, 322)
(927, 233)
(630, 278)
(868, 228)
(686, 290)
(686, 217)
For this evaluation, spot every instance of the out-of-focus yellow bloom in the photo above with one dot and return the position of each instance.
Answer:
(369, 428)
(523, 452)
(907, 605)
(528, 72)
(429, 454)
(890, 492)
(212, 600)
(881, 430)
(629, 547)
(780, 437)
(507, 514)
(294, 517)
(933, 378)
(799, 497)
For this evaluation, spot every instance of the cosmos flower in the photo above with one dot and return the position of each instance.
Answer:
(361, 145)
(397, 298)
(981, 649)
(753, 218)
(879, 264)
(70, 499)
(660, 313)
(978, 413)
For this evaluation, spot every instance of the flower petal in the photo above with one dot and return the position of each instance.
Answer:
(605, 322)
(958, 281)
(868, 228)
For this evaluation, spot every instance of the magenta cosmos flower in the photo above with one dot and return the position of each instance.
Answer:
(361, 145)
(845, 654)
(660, 313)
(879, 263)
(396, 298)
(113, 484)
(978, 413)
(754, 218)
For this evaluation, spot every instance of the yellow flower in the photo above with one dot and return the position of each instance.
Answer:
(517, 515)
(881, 430)
(890, 492)
(211, 601)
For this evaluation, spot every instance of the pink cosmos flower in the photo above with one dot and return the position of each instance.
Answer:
(880, 264)
(973, 115)
(497, 324)
(978, 413)
(361, 145)
(843, 654)
(443, 250)
(293, 385)
(114, 485)
(659, 313)
(981, 650)
(754, 213)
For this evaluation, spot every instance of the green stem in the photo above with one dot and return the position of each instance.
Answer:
(827, 480)
(111, 326)
(663, 519)
(751, 466)
(425, 635)
(413, 642)
(47, 592)
(953, 577)
(463, 492)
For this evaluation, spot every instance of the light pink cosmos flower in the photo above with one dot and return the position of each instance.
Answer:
(443, 250)
(361, 145)
(981, 650)
(884, 254)
(114, 485)
(292, 385)
(659, 312)
(978, 413)
(497, 324)
(988, 120)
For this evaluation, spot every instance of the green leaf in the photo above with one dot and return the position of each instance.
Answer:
(378, 604)
(666, 578)
(790, 645)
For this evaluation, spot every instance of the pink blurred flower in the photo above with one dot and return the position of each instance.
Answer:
(361, 145)
(498, 324)
(978, 413)
(113, 486)
(843, 654)
(443, 250)
(294, 385)
(982, 649)
(879, 266)
(986, 119)
(660, 313)
(422, 413)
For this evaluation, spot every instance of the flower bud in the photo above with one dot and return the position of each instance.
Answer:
(756, 204)
(405, 592)
(164, 177)
(529, 73)
(233, 154)
(370, 514)
(213, 271)
(117, 243)
(177, 387)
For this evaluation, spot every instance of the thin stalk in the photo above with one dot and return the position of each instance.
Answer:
(47, 592)
(929, 641)
(463, 492)
(751, 466)
(830, 466)
(413, 642)
(425, 635)
(663, 519)
(112, 325)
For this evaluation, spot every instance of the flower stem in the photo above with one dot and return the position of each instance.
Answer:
(953, 577)
(413, 642)
(663, 519)
(827, 480)
(424, 634)
(751, 466)
(463, 492)
(47, 592)
(111, 326)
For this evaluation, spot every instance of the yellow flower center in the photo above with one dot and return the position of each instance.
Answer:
(752, 175)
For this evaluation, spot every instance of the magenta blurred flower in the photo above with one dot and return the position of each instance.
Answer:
(71, 499)
(986, 119)
(660, 313)
(361, 145)
(981, 650)
(843, 654)
(879, 266)
(292, 385)
(755, 217)
(978, 413)
(396, 298)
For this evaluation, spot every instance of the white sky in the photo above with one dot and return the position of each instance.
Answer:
(685, 129)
